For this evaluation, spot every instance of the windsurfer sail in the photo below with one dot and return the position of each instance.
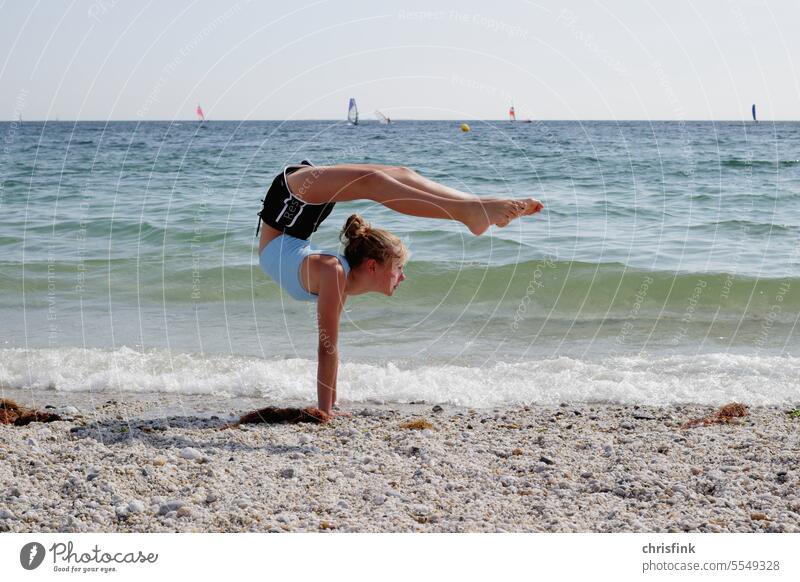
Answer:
(754, 113)
(381, 117)
(511, 114)
(200, 117)
(352, 112)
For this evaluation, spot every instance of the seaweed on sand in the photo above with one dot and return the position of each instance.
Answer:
(13, 413)
(418, 424)
(274, 415)
(723, 415)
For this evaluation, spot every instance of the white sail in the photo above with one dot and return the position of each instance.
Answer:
(381, 117)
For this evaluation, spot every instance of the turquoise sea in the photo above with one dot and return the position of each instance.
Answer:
(664, 267)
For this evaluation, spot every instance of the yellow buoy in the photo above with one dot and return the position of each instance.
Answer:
(465, 127)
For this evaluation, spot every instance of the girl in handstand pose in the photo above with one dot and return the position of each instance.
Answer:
(303, 195)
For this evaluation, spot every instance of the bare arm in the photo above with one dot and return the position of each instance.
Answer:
(330, 304)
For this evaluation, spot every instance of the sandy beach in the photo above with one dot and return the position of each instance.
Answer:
(162, 463)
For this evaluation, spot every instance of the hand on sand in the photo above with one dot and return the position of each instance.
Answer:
(336, 413)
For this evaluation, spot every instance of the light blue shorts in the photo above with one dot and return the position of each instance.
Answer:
(281, 260)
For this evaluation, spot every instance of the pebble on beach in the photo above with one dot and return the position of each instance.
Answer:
(388, 469)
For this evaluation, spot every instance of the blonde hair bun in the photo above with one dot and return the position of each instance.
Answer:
(355, 227)
(364, 242)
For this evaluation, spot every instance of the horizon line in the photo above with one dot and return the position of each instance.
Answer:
(521, 122)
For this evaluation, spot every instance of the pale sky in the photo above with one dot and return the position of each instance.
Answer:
(415, 59)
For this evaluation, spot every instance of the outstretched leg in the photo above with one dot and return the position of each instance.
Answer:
(317, 185)
(410, 177)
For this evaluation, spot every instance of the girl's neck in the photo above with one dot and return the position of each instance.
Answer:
(354, 285)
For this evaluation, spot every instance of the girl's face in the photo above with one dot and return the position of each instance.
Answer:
(388, 276)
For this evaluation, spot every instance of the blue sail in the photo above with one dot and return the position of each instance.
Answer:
(754, 113)
(352, 112)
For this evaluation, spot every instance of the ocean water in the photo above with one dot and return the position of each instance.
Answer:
(663, 269)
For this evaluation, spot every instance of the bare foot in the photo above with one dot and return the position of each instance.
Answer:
(485, 213)
(532, 206)
(519, 206)
(525, 208)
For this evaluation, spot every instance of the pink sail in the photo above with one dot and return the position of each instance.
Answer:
(200, 115)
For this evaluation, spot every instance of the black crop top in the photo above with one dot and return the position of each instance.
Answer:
(286, 212)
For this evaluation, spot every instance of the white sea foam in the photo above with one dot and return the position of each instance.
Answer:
(711, 379)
